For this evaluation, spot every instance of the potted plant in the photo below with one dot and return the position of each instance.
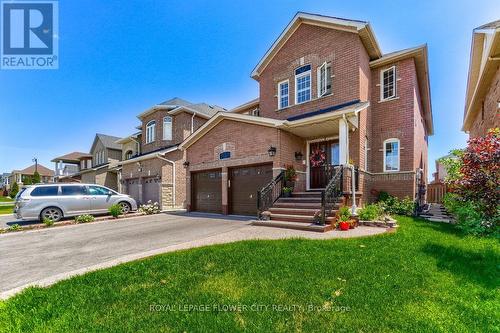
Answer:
(287, 192)
(317, 217)
(344, 218)
(290, 176)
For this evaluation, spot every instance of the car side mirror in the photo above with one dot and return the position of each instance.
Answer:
(110, 193)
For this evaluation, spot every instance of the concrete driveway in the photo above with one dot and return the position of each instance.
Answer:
(44, 256)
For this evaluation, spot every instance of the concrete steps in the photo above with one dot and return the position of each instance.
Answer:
(295, 225)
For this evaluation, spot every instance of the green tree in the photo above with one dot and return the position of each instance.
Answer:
(27, 180)
(36, 178)
(14, 189)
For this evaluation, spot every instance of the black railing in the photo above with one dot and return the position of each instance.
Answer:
(270, 193)
(331, 193)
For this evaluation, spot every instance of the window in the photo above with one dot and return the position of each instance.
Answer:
(97, 190)
(73, 190)
(150, 131)
(128, 155)
(167, 128)
(324, 79)
(388, 83)
(45, 191)
(335, 153)
(224, 155)
(255, 112)
(303, 84)
(283, 93)
(391, 155)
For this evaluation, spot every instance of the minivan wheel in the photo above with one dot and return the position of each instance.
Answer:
(125, 206)
(51, 213)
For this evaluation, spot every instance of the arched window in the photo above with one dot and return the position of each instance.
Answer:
(167, 128)
(391, 155)
(150, 131)
(128, 154)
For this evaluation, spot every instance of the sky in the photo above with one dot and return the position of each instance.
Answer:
(119, 58)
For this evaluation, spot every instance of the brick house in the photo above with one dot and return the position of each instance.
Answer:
(100, 165)
(19, 176)
(482, 103)
(152, 166)
(328, 97)
(68, 167)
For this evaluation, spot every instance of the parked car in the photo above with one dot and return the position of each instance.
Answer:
(55, 201)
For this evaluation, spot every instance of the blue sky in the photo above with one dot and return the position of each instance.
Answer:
(118, 58)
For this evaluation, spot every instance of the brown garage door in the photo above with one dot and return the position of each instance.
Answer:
(245, 182)
(151, 190)
(207, 191)
(132, 188)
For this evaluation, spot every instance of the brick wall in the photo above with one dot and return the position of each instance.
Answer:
(489, 115)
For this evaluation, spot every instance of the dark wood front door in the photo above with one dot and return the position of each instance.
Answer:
(322, 155)
(207, 191)
(244, 184)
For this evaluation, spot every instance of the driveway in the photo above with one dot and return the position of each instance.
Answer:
(45, 256)
(8, 219)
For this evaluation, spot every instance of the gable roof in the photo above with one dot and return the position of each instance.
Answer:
(419, 54)
(176, 101)
(362, 28)
(108, 141)
(484, 58)
(253, 103)
(71, 157)
(43, 171)
(177, 105)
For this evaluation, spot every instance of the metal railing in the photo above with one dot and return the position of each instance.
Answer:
(331, 193)
(270, 193)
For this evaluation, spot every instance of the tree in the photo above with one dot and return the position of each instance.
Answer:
(36, 178)
(13, 190)
(27, 180)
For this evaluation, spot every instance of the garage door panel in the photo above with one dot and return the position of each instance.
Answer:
(207, 191)
(133, 189)
(245, 182)
(151, 190)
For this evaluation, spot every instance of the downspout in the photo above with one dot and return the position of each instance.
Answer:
(173, 175)
(353, 172)
(192, 123)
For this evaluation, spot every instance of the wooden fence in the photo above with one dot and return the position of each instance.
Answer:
(436, 192)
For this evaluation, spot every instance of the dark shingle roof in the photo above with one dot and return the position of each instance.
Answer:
(109, 141)
(73, 157)
(204, 108)
(43, 171)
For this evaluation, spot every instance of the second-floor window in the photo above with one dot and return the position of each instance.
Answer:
(129, 154)
(324, 79)
(150, 131)
(99, 158)
(303, 84)
(255, 112)
(388, 83)
(283, 94)
(167, 128)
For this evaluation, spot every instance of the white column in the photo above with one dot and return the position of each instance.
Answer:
(343, 141)
(57, 168)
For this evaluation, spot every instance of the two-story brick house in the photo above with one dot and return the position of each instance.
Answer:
(482, 102)
(328, 96)
(153, 166)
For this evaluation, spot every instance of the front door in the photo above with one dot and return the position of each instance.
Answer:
(322, 155)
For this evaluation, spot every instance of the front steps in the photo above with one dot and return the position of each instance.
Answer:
(297, 212)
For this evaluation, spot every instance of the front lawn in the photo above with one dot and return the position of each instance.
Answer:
(6, 199)
(6, 209)
(424, 277)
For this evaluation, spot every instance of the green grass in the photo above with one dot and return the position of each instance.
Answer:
(6, 209)
(6, 199)
(425, 277)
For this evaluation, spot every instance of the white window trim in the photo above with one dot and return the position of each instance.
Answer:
(399, 154)
(171, 127)
(150, 138)
(296, 87)
(318, 78)
(279, 94)
(255, 112)
(382, 84)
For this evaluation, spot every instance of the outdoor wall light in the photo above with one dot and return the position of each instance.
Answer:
(271, 151)
(298, 156)
(186, 164)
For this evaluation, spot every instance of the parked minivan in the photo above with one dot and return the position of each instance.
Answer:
(55, 201)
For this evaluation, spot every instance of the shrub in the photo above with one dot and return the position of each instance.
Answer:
(369, 212)
(287, 189)
(48, 222)
(344, 214)
(14, 190)
(27, 180)
(84, 218)
(14, 227)
(36, 178)
(149, 208)
(290, 173)
(393, 205)
(115, 210)
(383, 196)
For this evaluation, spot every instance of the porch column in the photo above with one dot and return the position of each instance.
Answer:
(343, 142)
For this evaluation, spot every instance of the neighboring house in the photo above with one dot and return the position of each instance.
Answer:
(105, 154)
(68, 167)
(482, 102)
(152, 167)
(441, 173)
(4, 182)
(18, 176)
(328, 96)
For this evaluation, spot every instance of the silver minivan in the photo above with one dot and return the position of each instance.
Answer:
(55, 201)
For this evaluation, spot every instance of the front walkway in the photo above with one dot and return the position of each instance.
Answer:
(43, 257)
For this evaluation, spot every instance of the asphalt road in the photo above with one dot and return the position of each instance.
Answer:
(47, 255)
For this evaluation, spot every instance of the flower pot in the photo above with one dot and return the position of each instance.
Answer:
(344, 225)
(287, 194)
